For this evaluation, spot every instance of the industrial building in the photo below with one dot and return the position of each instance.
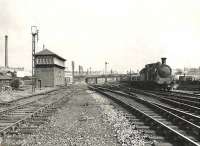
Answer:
(49, 69)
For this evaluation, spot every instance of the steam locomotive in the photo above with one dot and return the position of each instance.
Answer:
(154, 76)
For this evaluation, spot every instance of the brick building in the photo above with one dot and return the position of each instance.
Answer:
(49, 69)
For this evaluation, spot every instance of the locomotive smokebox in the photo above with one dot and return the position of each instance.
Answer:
(163, 60)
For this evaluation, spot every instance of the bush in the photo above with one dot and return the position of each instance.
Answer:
(15, 83)
(26, 78)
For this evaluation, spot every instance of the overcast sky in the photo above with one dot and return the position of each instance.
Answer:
(125, 33)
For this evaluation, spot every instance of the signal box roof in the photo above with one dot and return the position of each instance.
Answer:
(47, 52)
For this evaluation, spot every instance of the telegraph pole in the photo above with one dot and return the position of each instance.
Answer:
(34, 32)
(106, 67)
(73, 66)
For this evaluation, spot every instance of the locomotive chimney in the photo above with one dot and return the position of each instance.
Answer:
(163, 60)
(6, 51)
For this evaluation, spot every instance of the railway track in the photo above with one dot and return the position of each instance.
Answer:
(25, 115)
(171, 125)
(9, 104)
(187, 112)
(188, 104)
(187, 98)
(183, 98)
(184, 94)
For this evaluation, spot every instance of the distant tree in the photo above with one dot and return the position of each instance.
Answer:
(15, 83)
(13, 74)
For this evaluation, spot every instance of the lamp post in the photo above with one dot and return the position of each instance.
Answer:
(106, 63)
(34, 32)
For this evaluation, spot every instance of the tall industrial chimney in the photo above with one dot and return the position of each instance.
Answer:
(6, 51)
(163, 60)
